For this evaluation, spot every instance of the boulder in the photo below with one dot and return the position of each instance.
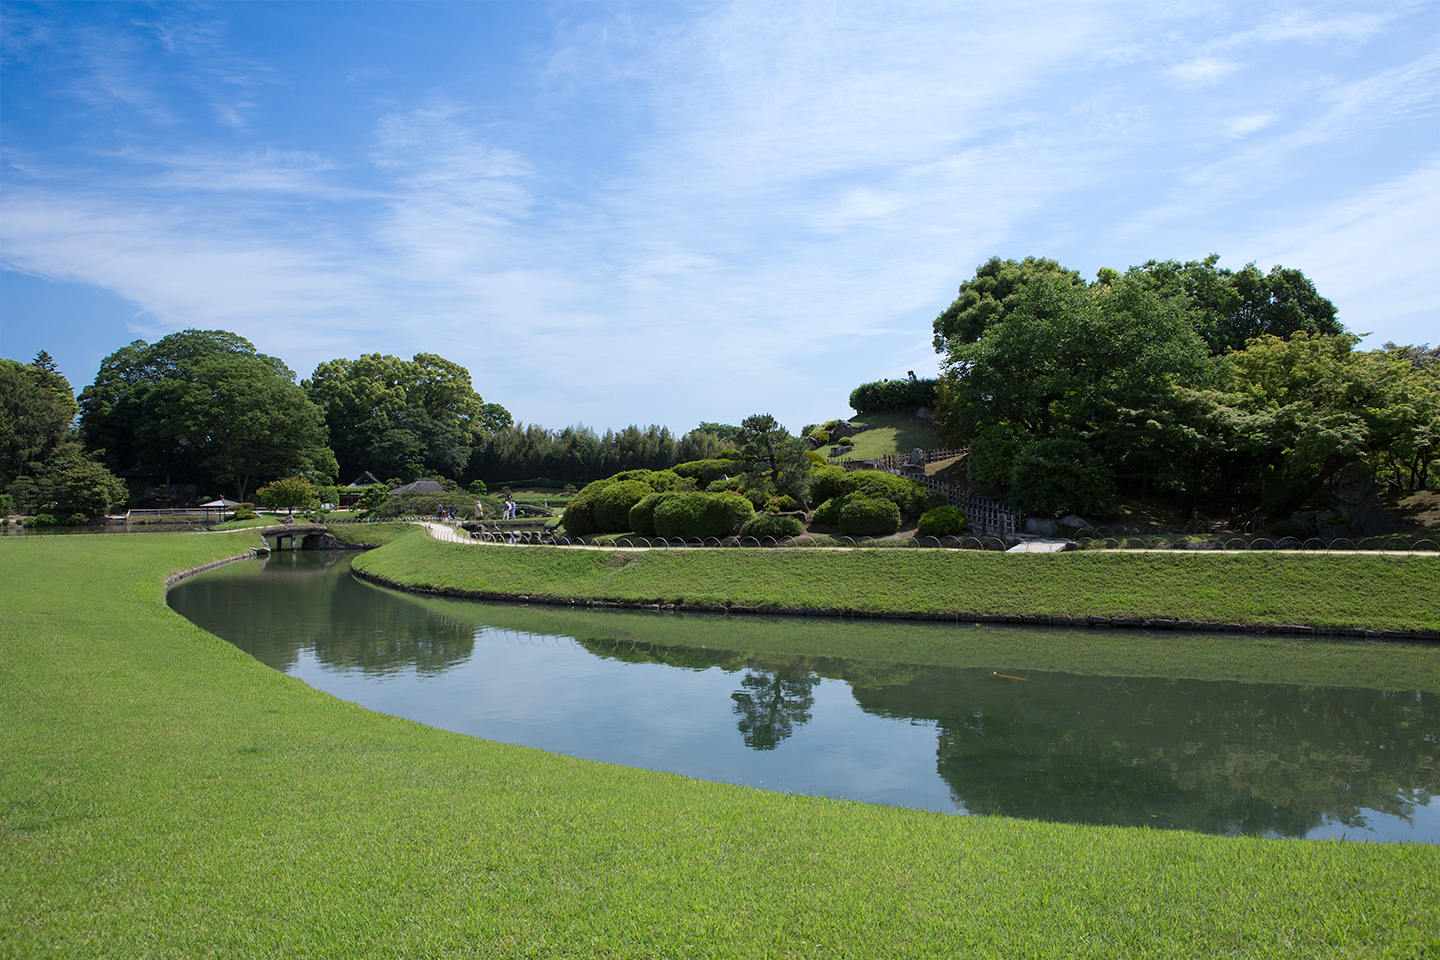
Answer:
(1359, 505)
(1042, 527)
(917, 457)
(1077, 522)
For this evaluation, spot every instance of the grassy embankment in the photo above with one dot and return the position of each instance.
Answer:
(1348, 590)
(165, 795)
(889, 432)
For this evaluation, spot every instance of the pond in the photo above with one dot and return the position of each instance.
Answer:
(696, 694)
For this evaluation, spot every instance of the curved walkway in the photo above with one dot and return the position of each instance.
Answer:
(449, 534)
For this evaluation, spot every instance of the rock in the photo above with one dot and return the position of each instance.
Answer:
(1359, 505)
(1042, 527)
(917, 457)
(1077, 522)
(924, 413)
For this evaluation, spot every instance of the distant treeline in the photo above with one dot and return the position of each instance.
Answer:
(579, 455)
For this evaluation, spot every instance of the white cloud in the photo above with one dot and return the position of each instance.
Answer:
(1251, 123)
(1202, 70)
(1373, 254)
(768, 205)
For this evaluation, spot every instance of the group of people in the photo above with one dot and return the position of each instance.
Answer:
(444, 512)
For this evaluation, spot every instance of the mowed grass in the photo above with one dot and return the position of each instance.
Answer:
(165, 795)
(1350, 590)
(890, 431)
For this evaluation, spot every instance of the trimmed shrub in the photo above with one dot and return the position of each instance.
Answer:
(771, 525)
(45, 520)
(578, 519)
(828, 513)
(869, 517)
(912, 498)
(596, 510)
(612, 505)
(830, 482)
(642, 515)
(424, 505)
(706, 472)
(943, 521)
(783, 503)
(698, 514)
(893, 395)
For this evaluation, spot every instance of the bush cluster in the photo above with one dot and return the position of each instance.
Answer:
(604, 505)
(863, 516)
(772, 525)
(893, 395)
(696, 514)
(642, 515)
(426, 505)
(706, 472)
(945, 521)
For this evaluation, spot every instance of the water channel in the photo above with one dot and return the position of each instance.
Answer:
(689, 694)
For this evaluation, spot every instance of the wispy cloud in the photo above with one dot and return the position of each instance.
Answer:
(737, 204)
(1202, 70)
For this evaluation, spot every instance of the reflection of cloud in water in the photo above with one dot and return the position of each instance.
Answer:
(1220, 756)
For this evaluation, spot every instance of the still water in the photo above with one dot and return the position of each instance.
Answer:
(680, 693)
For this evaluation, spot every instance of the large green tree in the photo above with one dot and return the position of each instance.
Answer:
(37, 410)
(403, 418)
(1087, 373)
(989, 296)
(206, 406)
(1230, 308)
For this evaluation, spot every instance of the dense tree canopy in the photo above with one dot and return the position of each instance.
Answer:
(578, 454)
(986, 297)
(208, 408)
(402, 418)
(1229, 308)
(37, 410)
(1202, 384)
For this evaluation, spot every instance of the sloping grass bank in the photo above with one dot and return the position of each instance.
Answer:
(165, 795)
(1351, 590)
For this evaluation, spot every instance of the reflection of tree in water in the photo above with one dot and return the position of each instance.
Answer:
(1222, 757)
(770, 704)
(774, 698)
(308, 600)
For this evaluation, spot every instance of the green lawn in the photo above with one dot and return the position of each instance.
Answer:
(890, 432)
(1347, 590)
(166, 796)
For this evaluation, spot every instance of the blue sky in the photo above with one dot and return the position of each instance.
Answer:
(618, 213)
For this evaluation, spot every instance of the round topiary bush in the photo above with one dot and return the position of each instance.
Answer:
(782, 503)
(829, 482)
(944, 521)
(612, 504)
(828, 513)
(698, 514)
(642, 515)
(869, 517)
(770, 525)
(706, 472)
(912, 498)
